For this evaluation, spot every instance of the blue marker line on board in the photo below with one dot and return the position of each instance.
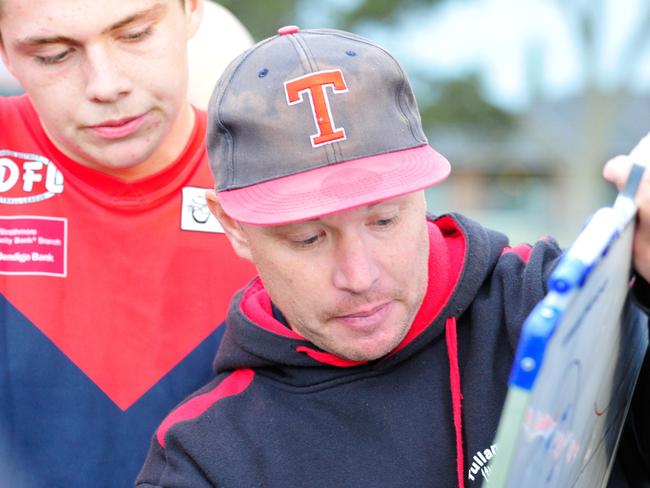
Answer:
(535, 334)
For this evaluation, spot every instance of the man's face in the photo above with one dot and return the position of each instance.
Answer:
(108, 78)
(351, 282)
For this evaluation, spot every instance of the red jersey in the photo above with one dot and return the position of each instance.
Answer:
(122, 279)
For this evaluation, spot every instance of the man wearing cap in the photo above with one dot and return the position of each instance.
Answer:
(345, 362)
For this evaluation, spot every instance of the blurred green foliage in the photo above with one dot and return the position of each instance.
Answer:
(382, 11)
(455, 103)
(262, 19)
(459, 104)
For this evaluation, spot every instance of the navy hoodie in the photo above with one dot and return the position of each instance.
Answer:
(283, 413)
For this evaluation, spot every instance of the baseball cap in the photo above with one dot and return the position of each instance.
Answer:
(311, 122)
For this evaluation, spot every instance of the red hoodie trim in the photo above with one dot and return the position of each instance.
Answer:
(456, 396)
(256, 305)
(523, 251)
(234, 384)
(446, 256)
(327, 358)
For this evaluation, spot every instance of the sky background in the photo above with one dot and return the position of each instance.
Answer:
(496, 39)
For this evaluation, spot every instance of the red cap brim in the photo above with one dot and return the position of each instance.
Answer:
(336, 187)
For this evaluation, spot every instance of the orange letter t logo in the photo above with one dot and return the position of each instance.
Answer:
(314, 85)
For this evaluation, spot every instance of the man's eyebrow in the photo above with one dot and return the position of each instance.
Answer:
(370, 205)
(32, 41)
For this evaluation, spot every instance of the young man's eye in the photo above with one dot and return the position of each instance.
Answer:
(137, 35)
(54, 58)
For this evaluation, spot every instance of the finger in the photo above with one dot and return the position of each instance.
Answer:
(617, 169)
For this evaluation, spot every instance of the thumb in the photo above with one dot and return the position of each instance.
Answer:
(617, 169)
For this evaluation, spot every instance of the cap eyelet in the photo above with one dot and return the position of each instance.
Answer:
(263, 73)
(351, 53)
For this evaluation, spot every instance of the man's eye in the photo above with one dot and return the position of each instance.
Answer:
(55, 58)
(387, 222)
(384, 222)
(307, 242)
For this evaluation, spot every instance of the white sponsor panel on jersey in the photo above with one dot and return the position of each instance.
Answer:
(195, 214)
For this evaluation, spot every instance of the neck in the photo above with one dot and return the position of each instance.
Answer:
(167, 152)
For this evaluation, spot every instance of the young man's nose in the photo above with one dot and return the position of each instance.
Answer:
(106, 79)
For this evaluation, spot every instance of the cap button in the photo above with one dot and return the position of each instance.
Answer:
(288, 29)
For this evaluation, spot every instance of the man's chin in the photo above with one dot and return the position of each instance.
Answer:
(123, 162)
(368, 352)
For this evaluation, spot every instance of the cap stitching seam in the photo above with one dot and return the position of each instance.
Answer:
(396, 64)
(218, 102)
(313, 67)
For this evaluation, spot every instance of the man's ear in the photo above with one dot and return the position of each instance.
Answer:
(233, 229)
(193, 15)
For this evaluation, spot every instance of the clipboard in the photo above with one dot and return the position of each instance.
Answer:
(576, 363)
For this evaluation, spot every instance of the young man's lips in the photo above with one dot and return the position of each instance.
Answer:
(115, 129)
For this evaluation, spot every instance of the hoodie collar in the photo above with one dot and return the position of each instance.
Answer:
(263, 340)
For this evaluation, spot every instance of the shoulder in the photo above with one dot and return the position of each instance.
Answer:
(475, 234)
(15, 104)
(497, 243)
(10, 107)
(17, 108)
(204, 400)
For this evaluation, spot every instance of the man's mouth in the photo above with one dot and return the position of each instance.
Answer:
(366, 317)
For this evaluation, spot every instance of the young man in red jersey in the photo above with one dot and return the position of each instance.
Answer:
(110, 296)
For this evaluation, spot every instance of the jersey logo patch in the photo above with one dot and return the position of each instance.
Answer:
(195, 214)
(33, 246)
(27, 178)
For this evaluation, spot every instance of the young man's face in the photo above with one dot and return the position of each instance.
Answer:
(108, 78)
(352, 282)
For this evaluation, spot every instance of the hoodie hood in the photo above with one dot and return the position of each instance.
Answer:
(457, 264)
(279, 406)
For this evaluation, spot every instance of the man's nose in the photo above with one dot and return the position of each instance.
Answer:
(106, 78)
(356, 268)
